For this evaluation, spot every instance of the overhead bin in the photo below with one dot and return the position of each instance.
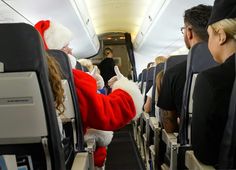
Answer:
(86, 24)
(72, 14)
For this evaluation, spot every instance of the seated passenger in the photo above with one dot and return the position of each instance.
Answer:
(97, 111)
(171, 93)
(213, 87)
(148, 104)
(96, 74)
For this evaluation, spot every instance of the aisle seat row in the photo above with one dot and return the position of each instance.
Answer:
(162, 150)
(29, 124)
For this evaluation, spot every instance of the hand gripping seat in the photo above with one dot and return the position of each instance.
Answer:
(28, 122)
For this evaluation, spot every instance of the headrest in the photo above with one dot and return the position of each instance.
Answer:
(21, 41)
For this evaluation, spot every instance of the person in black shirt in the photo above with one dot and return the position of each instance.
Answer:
(106, 67)
(171, 93)
(213, 87)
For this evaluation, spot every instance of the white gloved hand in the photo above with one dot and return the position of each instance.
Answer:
(98, 78)
(102, 138)
(115, 78)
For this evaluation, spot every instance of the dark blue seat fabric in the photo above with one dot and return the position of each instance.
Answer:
(158, 68)
(174, 60)
(149, 80)
(78, 66)
(227, 156)
(199, 59)
(143, 80)
(64, 62)
(22, 50)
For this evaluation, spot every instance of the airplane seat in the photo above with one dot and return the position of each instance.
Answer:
(136, 123)
(169, 140)
(199, 59)
(28, 123)
(143, 80)
(72, 111)
(227, 156)
(174, 60)
(158, 68)
(78, 65)
(153, 128)
(144, 119)
(140, 77)
(72, 124)
(149, 79)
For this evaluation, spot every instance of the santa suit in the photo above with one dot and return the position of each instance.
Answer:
(97, 110)
(104, 112)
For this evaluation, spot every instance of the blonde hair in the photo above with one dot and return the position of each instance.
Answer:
(56, 85)
(86, 63)
(159, 78)
(160, 59)
(228, 25)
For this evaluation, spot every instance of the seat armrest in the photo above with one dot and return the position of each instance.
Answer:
(153, 123)
(145, 116)
(81, 161)
(168, 138)
(191, 162)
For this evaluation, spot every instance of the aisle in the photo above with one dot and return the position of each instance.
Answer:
(122, 152)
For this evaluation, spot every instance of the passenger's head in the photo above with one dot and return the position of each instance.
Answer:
(160, 59)
(108, 52)
(55, 35)
(86, 63)
(195, 24)
(222, 30)
(149, 65)
(55, 82)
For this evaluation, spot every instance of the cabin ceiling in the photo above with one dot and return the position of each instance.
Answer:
(154, 24)
(117, 15)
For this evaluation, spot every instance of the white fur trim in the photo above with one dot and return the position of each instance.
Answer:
(132, 89)
(102, 138)
(57, 36)
(72, 60)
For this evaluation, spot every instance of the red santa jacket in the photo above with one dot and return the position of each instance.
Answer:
(100, 111)
(105, 112)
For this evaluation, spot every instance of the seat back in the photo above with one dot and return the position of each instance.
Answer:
(71, 102)
(174, 60)
(28, 123)
(143, 80)
(199, 59)
(78, 65)
(227, 156)
(158, 68)
(149, 80)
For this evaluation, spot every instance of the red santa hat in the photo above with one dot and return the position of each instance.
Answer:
(55, 35)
